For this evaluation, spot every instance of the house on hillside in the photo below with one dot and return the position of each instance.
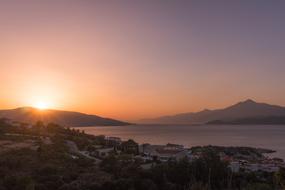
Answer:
(113, 141)
(130, 147)
(104, 152)
(165, 152)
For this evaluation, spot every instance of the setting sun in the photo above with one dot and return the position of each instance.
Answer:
(142, 95)
(41, 105)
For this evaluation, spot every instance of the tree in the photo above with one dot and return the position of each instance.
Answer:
(258, 186)
(19, 182)
(3, 126)
(280, 177)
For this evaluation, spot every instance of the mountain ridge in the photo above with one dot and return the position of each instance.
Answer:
(67, 118)
(244, 109)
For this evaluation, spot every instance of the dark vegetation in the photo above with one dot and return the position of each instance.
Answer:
(52, 166)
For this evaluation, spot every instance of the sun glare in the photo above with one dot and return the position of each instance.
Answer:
(41, 105)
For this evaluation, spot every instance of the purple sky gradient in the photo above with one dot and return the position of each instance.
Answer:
(133, 59)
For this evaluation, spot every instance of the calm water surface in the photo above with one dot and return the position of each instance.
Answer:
(262, 136)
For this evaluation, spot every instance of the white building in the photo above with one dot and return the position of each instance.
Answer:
(165, 152)
(104, 152)
(234, 166)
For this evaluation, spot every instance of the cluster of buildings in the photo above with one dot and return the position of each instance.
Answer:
(114, 145)
(265, 164)
(164, 153)
(145, 152)
(150, 154)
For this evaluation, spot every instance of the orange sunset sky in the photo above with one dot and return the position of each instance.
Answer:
(138, 59)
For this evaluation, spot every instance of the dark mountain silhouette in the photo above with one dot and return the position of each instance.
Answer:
(266, 120)
(242, 110)
(66, 118)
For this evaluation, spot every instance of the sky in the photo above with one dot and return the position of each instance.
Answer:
(134, 59)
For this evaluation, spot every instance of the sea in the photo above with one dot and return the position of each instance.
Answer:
(258, 136)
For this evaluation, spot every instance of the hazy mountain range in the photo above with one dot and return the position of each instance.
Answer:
(66, 118)
(246, 112)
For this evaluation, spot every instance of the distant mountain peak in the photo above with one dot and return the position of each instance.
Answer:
(249, 101)
(244, 109)
(205, 111)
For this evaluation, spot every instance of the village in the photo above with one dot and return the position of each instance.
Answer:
(150, 155)
(59, 147)
(243, 159)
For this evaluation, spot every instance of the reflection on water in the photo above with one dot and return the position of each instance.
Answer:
(263, 136)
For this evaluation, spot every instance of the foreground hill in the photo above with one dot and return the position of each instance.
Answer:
(52, 157)
(66, 118)
(246, 112)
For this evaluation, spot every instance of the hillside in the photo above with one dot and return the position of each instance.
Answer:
(266, 120)
(66, 118)
(246, 109)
